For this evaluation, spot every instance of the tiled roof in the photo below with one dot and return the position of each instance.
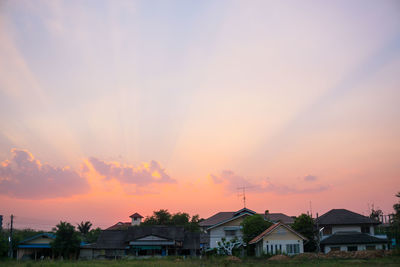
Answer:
(217, 218)
(119, 226)
(343, 217)
(119, 239)
(168, 232)
(110, 239)
(351, 238)
(136, 215)
(279, 217)
(271, 229)
(223, 216)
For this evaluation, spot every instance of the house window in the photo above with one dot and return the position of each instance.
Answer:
(335, 248)
(370, 247)
(352, 248)
(365, 229)
(292, 248)
(327, 230)
(230, 232)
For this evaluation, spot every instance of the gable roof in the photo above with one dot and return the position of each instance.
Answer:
(46, 235)
(343, 217)
(351, 238)
(230, 219)
(226, 215)
(271, 229)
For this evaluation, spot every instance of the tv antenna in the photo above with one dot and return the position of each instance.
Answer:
(243, 194)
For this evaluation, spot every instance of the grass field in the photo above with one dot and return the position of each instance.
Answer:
(387, 261)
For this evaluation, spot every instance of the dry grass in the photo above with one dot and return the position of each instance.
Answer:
(219, 261)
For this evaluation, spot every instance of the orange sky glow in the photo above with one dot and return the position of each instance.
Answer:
(135, 107)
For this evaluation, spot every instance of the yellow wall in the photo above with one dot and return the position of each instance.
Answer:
(281, 233)
(235, 222)
(40, 240)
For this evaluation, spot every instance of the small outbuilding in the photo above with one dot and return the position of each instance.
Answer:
(36, 247)
(277, 239)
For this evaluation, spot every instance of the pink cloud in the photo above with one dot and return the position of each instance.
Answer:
(263, 185)
(25, 177)
(144, 174)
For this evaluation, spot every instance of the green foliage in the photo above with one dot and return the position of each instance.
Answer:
(3, 244)
(394, 230)
(253, 226)
(304, 225)
(163, 217)
(84, 227)
(67, 240)
(180, 218)
(93, 235)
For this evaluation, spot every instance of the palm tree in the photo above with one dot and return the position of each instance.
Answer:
(84, 227)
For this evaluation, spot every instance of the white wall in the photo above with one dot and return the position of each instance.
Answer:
(217, 233)
(283, 243)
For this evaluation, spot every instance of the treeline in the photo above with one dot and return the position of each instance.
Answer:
(163, 217)
(68, 238)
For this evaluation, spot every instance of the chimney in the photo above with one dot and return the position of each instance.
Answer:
(136, 219)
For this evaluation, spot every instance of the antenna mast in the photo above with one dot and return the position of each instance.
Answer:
(243, 194)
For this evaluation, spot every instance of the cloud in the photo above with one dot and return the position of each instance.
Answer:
(264, 185)
(25, 177)
(310, 178)
(144, 174)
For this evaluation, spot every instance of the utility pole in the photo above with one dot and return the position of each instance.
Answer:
(10, 239)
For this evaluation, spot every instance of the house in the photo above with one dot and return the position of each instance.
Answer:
(344, 230)
(36, 247)
(228, 224)
(278, 238)
(135, 240)
(144, 241)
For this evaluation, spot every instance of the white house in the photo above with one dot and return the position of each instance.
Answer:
(344, 230)
(227, 224)
(277, 239)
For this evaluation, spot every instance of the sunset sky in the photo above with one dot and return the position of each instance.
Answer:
(113, 107)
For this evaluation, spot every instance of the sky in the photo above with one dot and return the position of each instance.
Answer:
(108, 108)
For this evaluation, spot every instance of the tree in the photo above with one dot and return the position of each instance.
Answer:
(84, 227)
(394, 231)
(253, 226)
(161, 217)
(375, 214)
(304, 225)
(225, 247)
(180, 218)
(93, 235)
(67, 240)
(3, 244)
